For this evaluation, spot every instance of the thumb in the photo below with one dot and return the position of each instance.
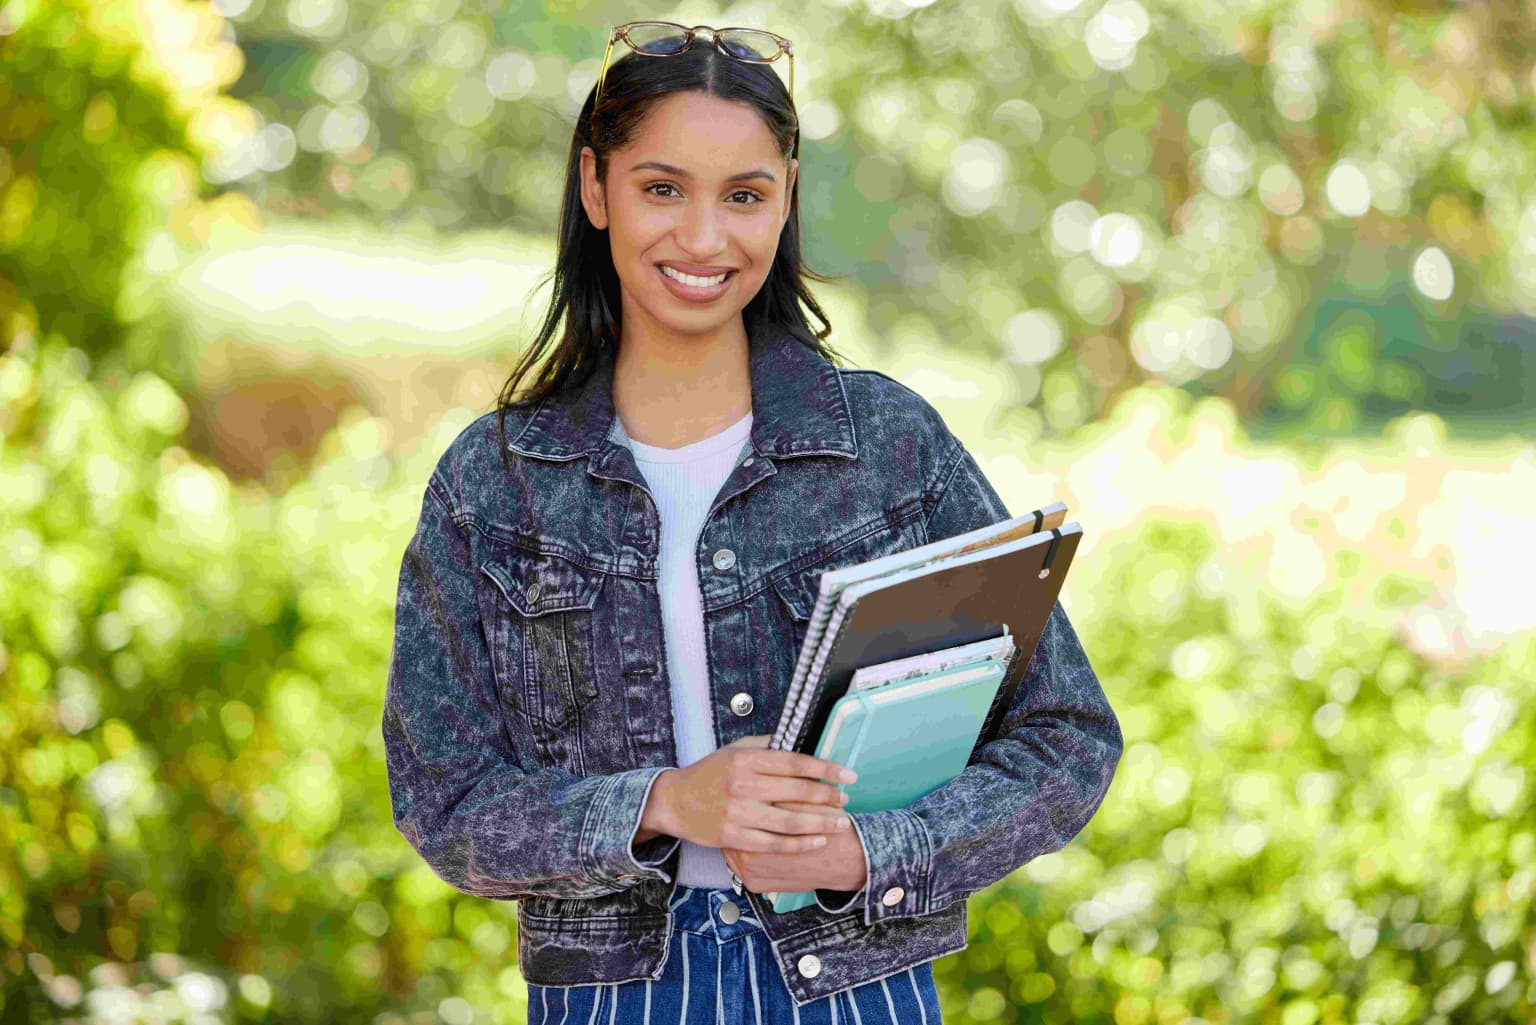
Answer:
(756, 740)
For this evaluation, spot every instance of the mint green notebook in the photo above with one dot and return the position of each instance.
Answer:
(905, 739)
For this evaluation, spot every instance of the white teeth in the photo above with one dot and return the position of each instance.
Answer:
(689, 279)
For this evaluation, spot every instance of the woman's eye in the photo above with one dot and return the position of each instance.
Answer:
(752, 200)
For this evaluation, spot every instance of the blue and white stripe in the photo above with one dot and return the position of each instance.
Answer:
(731, 990)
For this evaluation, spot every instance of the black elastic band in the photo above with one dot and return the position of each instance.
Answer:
(1050, 552)
(1039, 521)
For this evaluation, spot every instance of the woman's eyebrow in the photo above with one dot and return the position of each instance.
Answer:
(656, 165)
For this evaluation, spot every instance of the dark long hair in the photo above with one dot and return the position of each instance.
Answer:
(586, 292)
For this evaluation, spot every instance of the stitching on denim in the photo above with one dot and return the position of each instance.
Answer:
(844, 415)
(438, 490)
(532, 545)
(527, 424)
(925, 871)
(588, 852)
(556, 924)
(942, 479)
(894, 518)
(653, 871)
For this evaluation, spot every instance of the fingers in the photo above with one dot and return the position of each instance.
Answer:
(775, 790)
(820, 768)
(787, 820)
(790, 763)
(830, 815)
(747, 838)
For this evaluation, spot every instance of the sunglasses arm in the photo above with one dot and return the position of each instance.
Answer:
(604, 73)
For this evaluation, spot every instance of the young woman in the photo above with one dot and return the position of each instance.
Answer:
(602, 604)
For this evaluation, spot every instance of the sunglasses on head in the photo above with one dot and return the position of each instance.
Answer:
(668, 39)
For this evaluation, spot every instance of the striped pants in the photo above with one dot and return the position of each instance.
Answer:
(722, 973)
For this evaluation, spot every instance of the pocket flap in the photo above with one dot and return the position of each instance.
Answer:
(798, 591)
(800, 588)
(538, 583)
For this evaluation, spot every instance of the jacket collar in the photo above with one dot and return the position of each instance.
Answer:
(799, 407)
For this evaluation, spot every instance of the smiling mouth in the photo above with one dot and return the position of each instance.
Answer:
(695, 280)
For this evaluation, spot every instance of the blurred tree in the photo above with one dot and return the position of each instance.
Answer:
(1312, 824)
(1092, 193)
(105, 108)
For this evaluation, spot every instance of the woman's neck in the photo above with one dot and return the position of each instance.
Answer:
(676, 391)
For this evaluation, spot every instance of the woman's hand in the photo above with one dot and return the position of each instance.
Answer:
(731, 798)
(840, 865)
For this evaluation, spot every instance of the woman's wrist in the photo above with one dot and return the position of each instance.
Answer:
(654, 820)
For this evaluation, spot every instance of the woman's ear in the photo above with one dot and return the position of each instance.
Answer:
(592, 199)
(789, 189)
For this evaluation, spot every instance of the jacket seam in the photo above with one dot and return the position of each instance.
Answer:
(588, 854)
(439, 491)
(932, 498)
(901, 517)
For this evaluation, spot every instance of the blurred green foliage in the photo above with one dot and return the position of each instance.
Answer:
(1094, 194)
(1358, 363)
(1309, 827)
(1310, 824)
(105, 107)
(189, 684)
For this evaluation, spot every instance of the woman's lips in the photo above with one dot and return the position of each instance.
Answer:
(694, 293)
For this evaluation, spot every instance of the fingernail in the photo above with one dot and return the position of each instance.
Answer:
(819, 841)
(842, 797)
(849, 776)
(842, 823)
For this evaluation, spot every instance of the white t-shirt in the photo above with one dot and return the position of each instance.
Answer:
(684, 481)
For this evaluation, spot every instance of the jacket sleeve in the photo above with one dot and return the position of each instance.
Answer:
(1026, 793)
(486, 824)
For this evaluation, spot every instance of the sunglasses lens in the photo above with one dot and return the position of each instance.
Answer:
(657, 37)
(749, 44)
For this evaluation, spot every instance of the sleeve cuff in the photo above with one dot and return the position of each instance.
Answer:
(899, 855)
(608, 832)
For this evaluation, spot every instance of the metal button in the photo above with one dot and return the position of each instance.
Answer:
(890, 898)
(809, 965)
(725, 559)
(741, 703)
(729, 913)
(533, 592)
(748, 461)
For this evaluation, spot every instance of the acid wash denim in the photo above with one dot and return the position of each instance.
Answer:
(527, 710)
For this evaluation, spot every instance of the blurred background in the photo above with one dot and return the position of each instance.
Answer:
(1250, 285)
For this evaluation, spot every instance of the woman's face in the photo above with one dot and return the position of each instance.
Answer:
(701, 190)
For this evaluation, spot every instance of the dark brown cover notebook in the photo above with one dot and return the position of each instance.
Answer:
(953, 605)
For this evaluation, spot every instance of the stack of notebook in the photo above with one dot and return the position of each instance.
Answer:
(911, 661)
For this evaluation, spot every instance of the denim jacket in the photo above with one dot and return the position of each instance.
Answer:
(527, 710)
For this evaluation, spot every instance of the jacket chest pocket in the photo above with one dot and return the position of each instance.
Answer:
(545, 648)
(794, 593)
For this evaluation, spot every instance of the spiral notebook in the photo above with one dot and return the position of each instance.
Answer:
(951, 592)
(834, 581)
(882, 618)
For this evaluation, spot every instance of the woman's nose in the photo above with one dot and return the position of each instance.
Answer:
(700, 233)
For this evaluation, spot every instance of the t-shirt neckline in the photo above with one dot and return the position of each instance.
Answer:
(729, 436)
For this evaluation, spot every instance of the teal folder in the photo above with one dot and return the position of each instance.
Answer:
(905, 739)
